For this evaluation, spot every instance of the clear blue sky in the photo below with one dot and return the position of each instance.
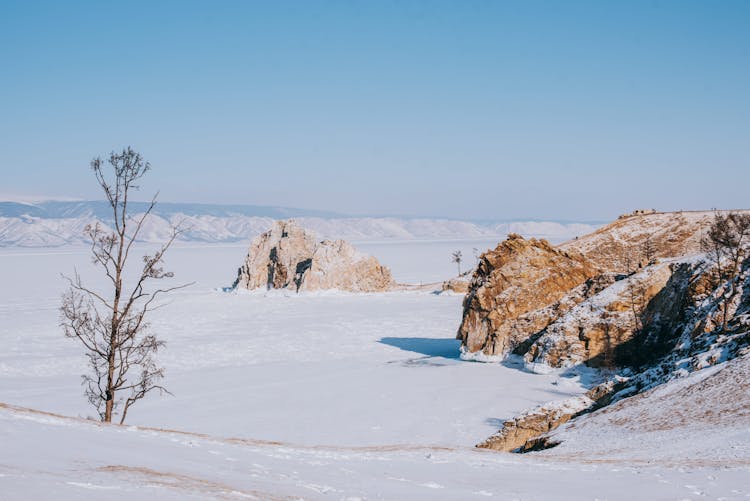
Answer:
(485, 110)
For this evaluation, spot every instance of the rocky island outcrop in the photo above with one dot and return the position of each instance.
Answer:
(289, 257)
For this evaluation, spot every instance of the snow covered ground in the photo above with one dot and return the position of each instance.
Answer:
(279, 396)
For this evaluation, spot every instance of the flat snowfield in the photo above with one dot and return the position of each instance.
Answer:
(285, 396)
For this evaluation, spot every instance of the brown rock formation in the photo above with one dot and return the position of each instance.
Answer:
(595, 330)
(276, 257)
(516, 432)
(287, 256)
(511, 283)
(523, 432)
(662, 320)
(522, 287)
(681, 332)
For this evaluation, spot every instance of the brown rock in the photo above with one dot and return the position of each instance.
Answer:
(528, 426)
(511, 284)
(594, 331)
(522, 287)
(276, 257)
(528, 431)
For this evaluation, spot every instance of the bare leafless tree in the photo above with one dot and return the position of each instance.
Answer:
(726, 243)
(112, 325)
(457, 257)
(637, 291)
(629, 268)
(648, 250)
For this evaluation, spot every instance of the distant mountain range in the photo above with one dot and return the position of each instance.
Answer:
(55, 209)
(57, 223)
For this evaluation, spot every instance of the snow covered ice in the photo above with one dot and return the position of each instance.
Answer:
(285, 396)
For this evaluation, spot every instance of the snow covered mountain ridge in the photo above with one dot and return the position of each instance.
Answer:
(58, 223)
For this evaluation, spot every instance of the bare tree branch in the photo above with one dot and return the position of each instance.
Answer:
(725, 243)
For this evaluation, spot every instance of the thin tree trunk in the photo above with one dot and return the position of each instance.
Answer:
(113, 337)
(110, 395)
(727, 299)
(111, 358)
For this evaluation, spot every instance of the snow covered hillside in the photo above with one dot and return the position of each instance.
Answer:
(56, 223)
(703, 418)
(53, 456)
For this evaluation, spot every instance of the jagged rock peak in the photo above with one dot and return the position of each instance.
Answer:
(289, 257)
(511, 282)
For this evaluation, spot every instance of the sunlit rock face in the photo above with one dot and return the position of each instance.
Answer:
(522, 293)
(289, 257)
(600, 328)
(636, 297)
(511, 293)
(680, 331)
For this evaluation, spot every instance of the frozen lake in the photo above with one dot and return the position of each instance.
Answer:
(365, 393)
(327, 368)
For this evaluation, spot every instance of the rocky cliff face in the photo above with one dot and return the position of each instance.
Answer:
(533, 299)
(277, 258)
(677, 331)
(515, 293)
(598, 330)
(288, 257)
(680, 333)
(636, 297)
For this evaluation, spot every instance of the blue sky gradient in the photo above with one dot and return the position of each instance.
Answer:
(485, 110)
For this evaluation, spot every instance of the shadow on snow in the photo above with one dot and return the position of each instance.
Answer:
(445, 348)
